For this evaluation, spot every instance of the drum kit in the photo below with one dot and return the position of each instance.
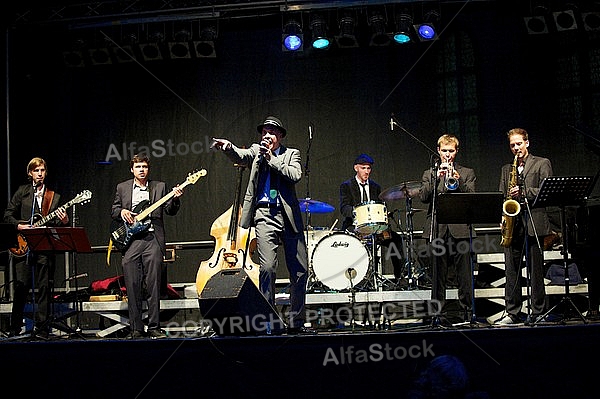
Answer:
(343, 260)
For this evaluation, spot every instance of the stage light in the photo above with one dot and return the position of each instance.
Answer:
(565, 20)
(346, 37)
(180, 47)
(536, 25)
(591, 21)
(318, 27)
(402, 33)
(151, 51)
(205, 47)
(100, 56)
(292, 38)
(426, 31)
(379, 35)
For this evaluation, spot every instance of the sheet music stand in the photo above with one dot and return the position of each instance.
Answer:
(562, 191)
(57, 240)
(470, 208)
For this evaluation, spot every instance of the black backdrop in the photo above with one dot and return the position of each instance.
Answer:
(81, 119)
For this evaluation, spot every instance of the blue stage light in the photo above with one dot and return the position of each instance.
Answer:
(292, 37)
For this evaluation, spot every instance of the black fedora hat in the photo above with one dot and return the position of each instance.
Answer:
(272, 121)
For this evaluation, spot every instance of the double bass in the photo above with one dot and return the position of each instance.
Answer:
(233, 245)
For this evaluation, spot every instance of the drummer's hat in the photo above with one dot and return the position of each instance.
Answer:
(363, 159)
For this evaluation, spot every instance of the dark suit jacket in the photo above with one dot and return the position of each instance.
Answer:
(535, 171)
(287, 165)
(18, 209)
(158, 189)
(350, 197)
(466, 184)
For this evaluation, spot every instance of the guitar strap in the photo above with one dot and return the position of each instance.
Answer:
(47, 202)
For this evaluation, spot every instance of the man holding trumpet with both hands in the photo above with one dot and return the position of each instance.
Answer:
(450, 239)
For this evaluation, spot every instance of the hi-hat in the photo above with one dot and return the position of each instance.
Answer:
(314, 206)
(407, 189)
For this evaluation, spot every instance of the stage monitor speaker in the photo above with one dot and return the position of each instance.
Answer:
(233, 305)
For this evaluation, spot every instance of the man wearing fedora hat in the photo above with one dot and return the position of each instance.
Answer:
(271, 206)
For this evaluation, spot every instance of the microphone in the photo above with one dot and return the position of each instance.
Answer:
(392, 122)
(310, 131)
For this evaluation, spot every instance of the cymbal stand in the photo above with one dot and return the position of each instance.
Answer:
(409, 243)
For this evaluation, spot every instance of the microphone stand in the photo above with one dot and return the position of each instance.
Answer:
(307, 173)
(433, 233)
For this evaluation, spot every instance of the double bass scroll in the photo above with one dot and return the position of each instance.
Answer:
(233, 244)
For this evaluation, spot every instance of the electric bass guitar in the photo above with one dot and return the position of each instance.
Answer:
(122, 233)
(39, 220)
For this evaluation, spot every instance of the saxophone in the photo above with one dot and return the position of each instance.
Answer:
(510, 208)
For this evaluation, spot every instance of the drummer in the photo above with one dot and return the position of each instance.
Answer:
(360, 189)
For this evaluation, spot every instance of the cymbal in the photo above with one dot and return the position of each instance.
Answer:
(407, 189)
(314, 206)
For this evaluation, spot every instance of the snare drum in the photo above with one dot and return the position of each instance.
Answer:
(340, 260)
(370, 217)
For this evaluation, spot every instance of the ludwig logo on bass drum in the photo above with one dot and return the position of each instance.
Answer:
(336, 244)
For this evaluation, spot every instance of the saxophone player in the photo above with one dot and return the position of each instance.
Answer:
(532, 170)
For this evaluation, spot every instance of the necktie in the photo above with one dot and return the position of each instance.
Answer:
(365, 196)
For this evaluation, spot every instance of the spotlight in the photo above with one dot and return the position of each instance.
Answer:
(74, 57)
(591, 20)
(292, 38)
(346, 38)
(320, 41)
(565, 20)
(151, 51)
(205, 47)
(403, 26)
(426, 31)
(379, 36)
(100, 56)
(180, 47)
(537, 23)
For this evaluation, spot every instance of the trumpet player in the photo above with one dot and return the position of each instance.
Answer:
(530, 171)
(450, 254)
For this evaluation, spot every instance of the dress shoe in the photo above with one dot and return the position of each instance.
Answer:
(301, 331)
(156, 333)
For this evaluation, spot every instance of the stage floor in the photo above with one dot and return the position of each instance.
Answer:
(548, 360)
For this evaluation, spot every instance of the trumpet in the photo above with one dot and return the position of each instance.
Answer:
(450, 180)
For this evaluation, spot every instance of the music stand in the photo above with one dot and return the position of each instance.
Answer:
(57, 240)
(562, 191)
(470, 208)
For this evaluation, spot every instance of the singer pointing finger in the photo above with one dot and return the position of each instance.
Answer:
(271, 207)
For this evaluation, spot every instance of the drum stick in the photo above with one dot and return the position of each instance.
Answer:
(333, 225)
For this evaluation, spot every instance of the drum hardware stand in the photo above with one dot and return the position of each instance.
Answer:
(409, 244)
(563, 191)
(350, 274)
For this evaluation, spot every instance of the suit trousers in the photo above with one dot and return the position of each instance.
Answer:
(142, 263)
(272, 230)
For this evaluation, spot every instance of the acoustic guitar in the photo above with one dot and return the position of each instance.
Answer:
(123, 233)
(39, 220)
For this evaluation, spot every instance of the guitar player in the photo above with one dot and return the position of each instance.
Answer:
(143, 255)
(30, 202)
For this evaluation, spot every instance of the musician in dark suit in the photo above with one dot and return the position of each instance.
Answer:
(352, 195)
(30, 200)
(271, 206)
(450, 247)
(532, 170)
(143, 257)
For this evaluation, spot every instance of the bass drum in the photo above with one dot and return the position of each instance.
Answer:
(340, 261)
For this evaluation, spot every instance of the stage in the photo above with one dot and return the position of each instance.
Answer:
(543, 361)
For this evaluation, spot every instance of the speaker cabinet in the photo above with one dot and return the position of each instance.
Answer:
(233, 305)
